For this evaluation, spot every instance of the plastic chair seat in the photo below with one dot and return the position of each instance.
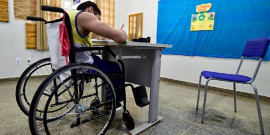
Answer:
(226, 77)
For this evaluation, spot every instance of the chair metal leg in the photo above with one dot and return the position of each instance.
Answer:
(199, 89)
(204, 101)
(258, 108)
(234, 92)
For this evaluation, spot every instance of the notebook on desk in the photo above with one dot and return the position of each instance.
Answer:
(128, 43)
(106, 42)
(99, 41)
(111, 41)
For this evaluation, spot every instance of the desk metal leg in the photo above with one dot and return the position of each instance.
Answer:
(154, 95)
(154, 90)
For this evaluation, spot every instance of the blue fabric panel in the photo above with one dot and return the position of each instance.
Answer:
(236, 22)
(224, 76)
(256, 47)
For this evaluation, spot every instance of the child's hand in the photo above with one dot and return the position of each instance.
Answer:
(124, 43)
(121, 37)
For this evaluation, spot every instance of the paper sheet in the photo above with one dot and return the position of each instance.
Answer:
(203, 21)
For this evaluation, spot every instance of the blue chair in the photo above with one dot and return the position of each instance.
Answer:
(255, 48)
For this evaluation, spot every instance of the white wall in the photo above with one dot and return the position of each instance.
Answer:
(149, 10)
(187, 68)
(13, 45)
(184, 68)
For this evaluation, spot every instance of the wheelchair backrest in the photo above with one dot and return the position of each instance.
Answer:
(54, 44)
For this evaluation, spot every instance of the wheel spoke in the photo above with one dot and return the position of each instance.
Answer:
(75, 110)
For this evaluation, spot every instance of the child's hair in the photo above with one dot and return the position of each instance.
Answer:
(87, 4)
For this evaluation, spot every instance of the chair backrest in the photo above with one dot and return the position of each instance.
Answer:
(256, 47)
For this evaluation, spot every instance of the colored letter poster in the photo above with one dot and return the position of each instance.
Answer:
(4, 11)
(203, 21)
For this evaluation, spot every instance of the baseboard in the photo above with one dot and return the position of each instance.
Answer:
(9, 79)
(238, 93)
(17, 78)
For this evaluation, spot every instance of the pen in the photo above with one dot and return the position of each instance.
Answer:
(122, 26)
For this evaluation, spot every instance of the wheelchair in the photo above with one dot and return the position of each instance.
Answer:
(78, 98)
(28, 82)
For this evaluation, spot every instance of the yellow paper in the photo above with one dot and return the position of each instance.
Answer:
(204, 21)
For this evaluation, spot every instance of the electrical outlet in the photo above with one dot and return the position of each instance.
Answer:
(18, 61)
(29, 61)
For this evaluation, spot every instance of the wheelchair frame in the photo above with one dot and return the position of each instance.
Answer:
(73, 50)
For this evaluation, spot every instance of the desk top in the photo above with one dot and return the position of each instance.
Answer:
(129, 44)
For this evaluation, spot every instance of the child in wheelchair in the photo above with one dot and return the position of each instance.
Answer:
(84, 21)
(81, 23)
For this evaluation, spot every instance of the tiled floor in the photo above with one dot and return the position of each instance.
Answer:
(176, 106)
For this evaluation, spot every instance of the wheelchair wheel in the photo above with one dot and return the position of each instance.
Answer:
(68, 108)
(29, 81)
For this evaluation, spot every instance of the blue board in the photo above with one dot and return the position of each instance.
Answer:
(235, 23)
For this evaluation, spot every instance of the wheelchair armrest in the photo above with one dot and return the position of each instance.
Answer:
(82, 49)
(31, 18)
(52, 9)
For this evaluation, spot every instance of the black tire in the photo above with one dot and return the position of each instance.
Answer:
(24, 93)
(52, 121)
(128, 120)
(94, 105)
